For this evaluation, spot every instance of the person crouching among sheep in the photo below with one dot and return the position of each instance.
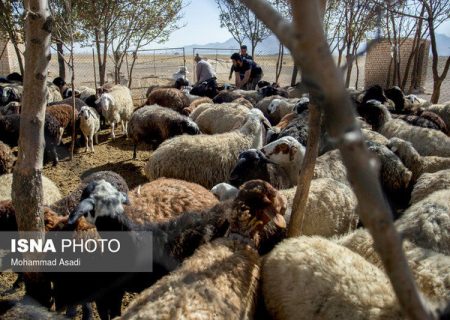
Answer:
(247, 72)
(206, 84)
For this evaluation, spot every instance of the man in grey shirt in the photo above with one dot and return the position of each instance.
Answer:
(203, 70)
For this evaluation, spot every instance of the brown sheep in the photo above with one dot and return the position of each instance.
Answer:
(163, 199)
(7, 159)
(194, 104)
(169, 98)
(62, 113)
(226, 96)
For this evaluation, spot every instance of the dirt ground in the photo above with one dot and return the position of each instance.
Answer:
(109, 155)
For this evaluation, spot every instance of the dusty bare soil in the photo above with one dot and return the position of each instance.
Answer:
(109, 155)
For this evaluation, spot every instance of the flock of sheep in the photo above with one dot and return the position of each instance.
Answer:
(223, 176)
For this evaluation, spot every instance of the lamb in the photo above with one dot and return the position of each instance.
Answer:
(7, 159)
(169, 98)
(223, 274)
(117, 106)
(414, 161)
(154, 124)
(50, 190)
(253, 164)
(174, 240)
(314, 278)
(194, 104)
(429, 183)
(427, 142)
(176, 158)
(68, 204)
(164, 199)
(225, 117)
(62, 113)
(89, 125)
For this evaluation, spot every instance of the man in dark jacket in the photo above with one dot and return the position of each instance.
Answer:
(244, 55)
(247, 72)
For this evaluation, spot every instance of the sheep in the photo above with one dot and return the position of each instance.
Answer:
(11, 92)
(251, 95)
(225, 117)
(9, 129)
(253, 164)
(442, 110)
(50, 190)
(314, 278)
(429, 183)
(374, 136)
(436, 119)
(244, 102)
(176, 158)
(224, 274)
(169, 98)
(174, 240)
(414, 161)
(194, 104)
(89, 125)
(117, 106)
(273, 90)
(62, 113)
(429, 268)
(420, 121)
(52, 136)
(86, 92)
(68, 204)
(163, 199)
(263, 105)
(68, 101)
(53, 93)
(7, 159)
(226, 96)
(11, 108)
(280, 108)
(154, 124)
(427, 142)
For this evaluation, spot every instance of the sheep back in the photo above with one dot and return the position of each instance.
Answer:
(442, 110)
(164, 199)
(50, 190)
(194, 104)
(170, 98)
(313, 278)
(221, 118)
(123, 104)
(219, 281)
(429, 183)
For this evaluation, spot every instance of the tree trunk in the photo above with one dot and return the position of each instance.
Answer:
(349, 69)
(61, 62)
(294, 76)
(357, 73)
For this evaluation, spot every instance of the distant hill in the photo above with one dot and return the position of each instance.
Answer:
(270, 46)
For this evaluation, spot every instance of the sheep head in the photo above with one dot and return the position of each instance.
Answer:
(256, 204)
(251, 164)
(273, 106)
(105, 101)
(99, 199)
(284, 151)
(85, 113)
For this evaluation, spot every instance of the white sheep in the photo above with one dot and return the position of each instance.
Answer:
(50, 190)
(117, 106)
(330, 209)
(206, 159)
(281, 107)
(414, 161)
(86, 92)
(314, 278)
(220, 118)
(429, 183)
(427, 142)
(89, 125)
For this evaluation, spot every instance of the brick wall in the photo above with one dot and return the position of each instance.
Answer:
(379, 58)
(8, 60)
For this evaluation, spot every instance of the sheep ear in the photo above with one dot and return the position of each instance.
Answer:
(83, 208)
(279, 221)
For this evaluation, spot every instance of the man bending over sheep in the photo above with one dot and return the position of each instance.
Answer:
(247, 72)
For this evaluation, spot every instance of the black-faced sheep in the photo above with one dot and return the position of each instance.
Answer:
(225, 117)
(179, 157)
(50, 190)
(314, 278)
(169, 98)
(89, 125)
(10, 92)
(7, 159)
(414, 161)
(272, 90)
(224, 274)
(164, 199)
(117, 106)
(154, 124)
(253, 164)
(427, 142)
(173, 240)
